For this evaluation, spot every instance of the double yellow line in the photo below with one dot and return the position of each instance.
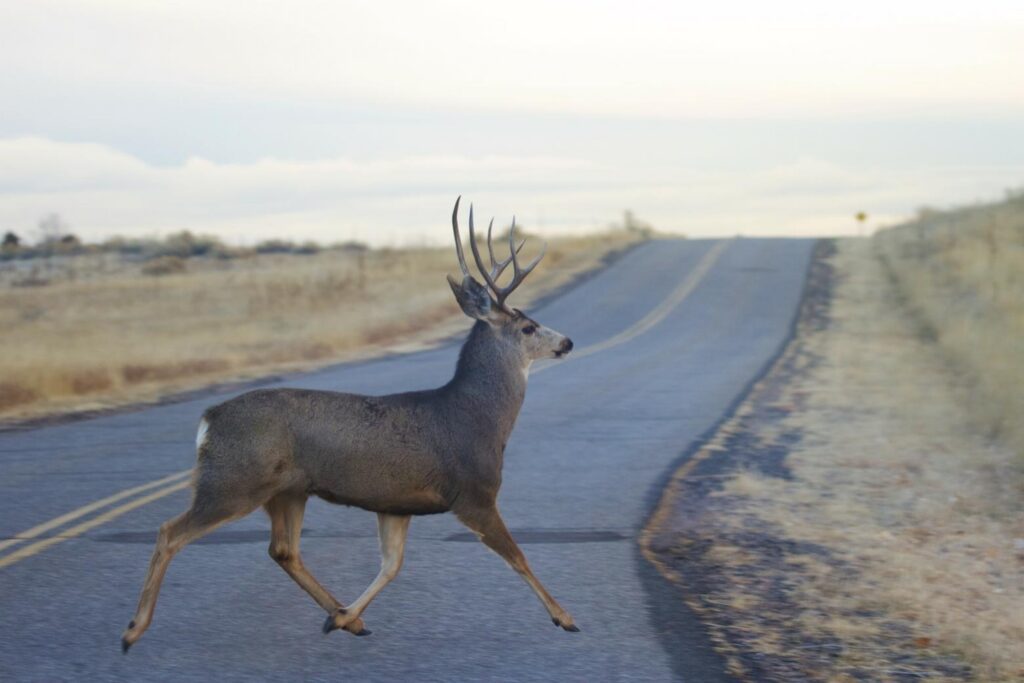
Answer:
(180, 480)
(173, 482)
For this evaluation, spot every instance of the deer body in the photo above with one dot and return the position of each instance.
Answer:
(414, 453)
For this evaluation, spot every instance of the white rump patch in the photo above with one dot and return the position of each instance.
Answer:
(201, 434)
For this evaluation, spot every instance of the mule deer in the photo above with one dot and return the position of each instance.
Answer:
(416, 453)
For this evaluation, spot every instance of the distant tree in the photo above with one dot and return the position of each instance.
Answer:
(184, 244)
(51, 228)
(275, 246)
(631, 223)
(11, 241)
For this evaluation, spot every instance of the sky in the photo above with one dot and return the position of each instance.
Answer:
(364, 120)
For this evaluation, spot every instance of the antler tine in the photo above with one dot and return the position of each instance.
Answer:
(458, 236)
(476, 255)
(490, 248)
(521, 273)
(498, 267)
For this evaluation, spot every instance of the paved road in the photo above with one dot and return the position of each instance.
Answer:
(596, 436)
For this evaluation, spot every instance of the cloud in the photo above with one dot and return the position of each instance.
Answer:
(661, 58)
(100, 191)
(36, 165)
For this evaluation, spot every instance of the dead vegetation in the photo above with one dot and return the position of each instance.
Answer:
(962, 273)
(127, 332)
(849, 523)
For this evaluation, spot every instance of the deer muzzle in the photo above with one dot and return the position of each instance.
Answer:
(565, 348)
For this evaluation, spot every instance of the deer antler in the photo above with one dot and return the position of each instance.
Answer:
(458, 238)
(497, 267)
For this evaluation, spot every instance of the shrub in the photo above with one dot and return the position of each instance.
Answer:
(164, 265)
(275, 247)
(185, 244)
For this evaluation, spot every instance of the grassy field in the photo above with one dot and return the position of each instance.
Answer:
(962, 273)
(88, 332)
(849, 522)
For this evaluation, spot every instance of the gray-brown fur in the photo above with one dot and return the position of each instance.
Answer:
(414, 453)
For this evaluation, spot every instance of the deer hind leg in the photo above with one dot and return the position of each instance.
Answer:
(392, 530)
(286, 513)
(174, 535)
(488, 525)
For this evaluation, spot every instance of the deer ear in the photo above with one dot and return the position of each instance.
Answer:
(472, 297)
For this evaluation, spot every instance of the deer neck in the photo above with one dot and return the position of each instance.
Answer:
(490, 379)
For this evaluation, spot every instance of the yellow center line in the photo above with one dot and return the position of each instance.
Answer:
(660, 312)
(80, 529)
(71, 516)
(657, 315)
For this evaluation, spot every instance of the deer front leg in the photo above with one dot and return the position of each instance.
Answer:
(487, 524)
(392, 530)
(286, 513)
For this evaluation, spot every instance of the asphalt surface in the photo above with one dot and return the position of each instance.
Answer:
(595, 439)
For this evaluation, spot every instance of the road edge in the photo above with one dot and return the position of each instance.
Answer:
(671, 608)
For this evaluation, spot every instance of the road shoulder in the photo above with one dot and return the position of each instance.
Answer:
(844, 523)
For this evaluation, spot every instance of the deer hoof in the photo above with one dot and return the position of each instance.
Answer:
(338, 620)
(125, 641)
(571, 627)
(332, 621)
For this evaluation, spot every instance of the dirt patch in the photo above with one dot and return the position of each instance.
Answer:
(846, 523)
(12, 395)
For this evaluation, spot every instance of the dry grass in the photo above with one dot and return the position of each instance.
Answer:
(963, 274)
(895, 547)
(117, 335)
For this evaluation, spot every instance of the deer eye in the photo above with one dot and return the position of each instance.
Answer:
(529, 329)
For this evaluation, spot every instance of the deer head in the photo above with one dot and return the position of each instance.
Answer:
(516, 331)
